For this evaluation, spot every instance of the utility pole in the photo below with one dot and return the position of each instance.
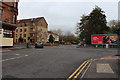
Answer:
(119, 50)
(118, 43)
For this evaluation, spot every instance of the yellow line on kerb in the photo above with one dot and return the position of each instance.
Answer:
(79, 69)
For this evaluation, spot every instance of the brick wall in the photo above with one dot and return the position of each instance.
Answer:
(9, 11)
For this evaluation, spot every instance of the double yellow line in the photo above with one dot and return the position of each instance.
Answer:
(77, 72)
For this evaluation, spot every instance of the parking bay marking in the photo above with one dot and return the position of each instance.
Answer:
(104, 68)
(13, 58)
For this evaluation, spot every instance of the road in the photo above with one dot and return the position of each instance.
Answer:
(50, 62)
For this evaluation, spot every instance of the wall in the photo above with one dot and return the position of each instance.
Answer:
(8, 12)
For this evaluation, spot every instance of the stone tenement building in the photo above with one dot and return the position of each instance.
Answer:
(31, 30)
(8, 17)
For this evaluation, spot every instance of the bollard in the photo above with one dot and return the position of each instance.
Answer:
(84, 45)
(96, 46)
(27, 45)
(107, 46)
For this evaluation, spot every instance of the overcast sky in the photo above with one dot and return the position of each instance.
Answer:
(64, 15)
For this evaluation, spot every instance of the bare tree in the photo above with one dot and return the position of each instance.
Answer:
(114, 25)
(58, 31)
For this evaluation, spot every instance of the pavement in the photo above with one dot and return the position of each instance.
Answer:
(104, 68)
(15, 47)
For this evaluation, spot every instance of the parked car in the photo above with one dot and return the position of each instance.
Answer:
(79, 44)
(39, 45)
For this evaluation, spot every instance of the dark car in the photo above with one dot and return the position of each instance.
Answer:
(39, 45)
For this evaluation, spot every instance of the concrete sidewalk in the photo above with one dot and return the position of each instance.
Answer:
(105, 68)
(15, 47)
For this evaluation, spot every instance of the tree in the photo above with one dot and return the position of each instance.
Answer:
(68, 37)
(82, 27)
(94, 23)
(51, 39)
(114, 25)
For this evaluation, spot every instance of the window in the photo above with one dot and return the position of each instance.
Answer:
(21, 35)
(41, 24)
(16, 35)
(16, 40)
(31, 23)
(24, 35)
(21, 25)
(14, 18)
(31, 29)
(24, 40)
(25, 24)
(36, 23)
(9, 8)
(7, 20)
(0, 31)
(18, 24)
(31, 35)
(15, 5)
(41, 30)
(25, 30)
(20, 30)
(0, 13)
(16, 30)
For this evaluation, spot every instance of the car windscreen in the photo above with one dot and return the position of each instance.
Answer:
(39, 43)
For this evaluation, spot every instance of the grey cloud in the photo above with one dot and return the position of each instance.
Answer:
(64, 15)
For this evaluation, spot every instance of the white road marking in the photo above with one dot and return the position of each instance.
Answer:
(26, 55)
(104, 68)
(13, 58)
(86, 70)
(17, 54)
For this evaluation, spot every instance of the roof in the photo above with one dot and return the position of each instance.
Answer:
(31, 19)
